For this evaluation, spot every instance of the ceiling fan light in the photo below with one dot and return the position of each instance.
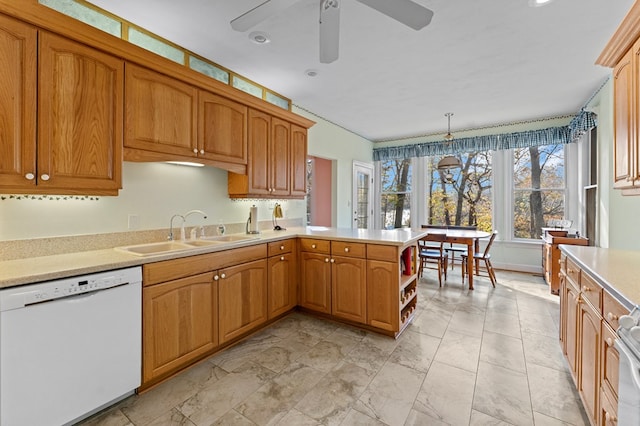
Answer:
(259, 37)
(449, 162)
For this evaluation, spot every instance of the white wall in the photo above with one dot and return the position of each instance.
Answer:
(153, 191)
(329, 141)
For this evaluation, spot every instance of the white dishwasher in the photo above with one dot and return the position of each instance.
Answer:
(69, 347)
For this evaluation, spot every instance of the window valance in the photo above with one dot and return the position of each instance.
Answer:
(580, 124)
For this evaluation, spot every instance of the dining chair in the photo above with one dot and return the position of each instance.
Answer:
(433, 253)
(484, 256)
(458, 248)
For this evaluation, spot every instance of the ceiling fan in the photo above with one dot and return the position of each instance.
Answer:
(406, 12)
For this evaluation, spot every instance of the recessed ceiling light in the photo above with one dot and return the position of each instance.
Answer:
(538, 3)
(311, 73)
(258, 37)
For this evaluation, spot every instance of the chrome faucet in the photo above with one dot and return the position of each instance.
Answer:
(184, 219)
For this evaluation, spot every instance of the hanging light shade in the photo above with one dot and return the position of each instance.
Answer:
(449, 162)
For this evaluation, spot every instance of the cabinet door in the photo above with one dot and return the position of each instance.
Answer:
(383, 295)
(222, 129)
(242, 298)
(572, 329)
(610, 361)
(623, 125)
(179, 324)
(280, 153)
(160, 113)
(18, 104)
(282, 281)
(589, 361)
(315, 282)
(298, 161)
(349, 288)
(258, 163)
(79, 116)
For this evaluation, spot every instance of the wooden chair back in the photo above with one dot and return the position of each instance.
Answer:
(490, 243)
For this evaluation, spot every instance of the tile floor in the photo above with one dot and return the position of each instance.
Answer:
(482, 357)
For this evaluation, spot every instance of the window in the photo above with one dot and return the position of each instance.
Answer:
(538, 188)
(395, 194)
(465, 198)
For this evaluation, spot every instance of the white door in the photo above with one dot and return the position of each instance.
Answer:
(362, 198)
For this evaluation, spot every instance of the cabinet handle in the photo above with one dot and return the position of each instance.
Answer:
(333, 261)
(609, 418)
(281, 247)
(346, 249)
(44, 177)
(326, 260)
(609, 341)
(30, 176)
(216, 278)
(569, 270)
(195, 150)
(586, 289)
(281, 257)
(202, 151)
(612, 317)
(223, 275)
(313, 246)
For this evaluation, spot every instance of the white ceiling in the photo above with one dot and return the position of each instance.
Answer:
(488, 61)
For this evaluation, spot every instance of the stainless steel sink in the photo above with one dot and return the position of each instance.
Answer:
(150, 249)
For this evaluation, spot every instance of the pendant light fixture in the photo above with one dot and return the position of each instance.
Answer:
(448, 162)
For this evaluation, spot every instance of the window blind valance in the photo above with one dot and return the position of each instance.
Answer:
(580, 124)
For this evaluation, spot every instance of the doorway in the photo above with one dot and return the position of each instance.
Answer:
(362, 198)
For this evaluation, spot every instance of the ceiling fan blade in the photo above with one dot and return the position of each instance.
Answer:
(259, 13)
(329, 30)
(405, 11)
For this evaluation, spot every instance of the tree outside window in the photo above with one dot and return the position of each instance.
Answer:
(539, 188)
(395, 197)
(465, 199)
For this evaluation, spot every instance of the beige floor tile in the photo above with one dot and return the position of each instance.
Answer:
(295, 417)
(481, 419)
(172, 418)
(502, 304)
(370, 354)
(467, 323)
(553, 394)
(246, 351)
(431, 323)
(417, 418)
(329, 352)
(356, 418)
(544, 420)
(111, 417)
(503, 394)
(281, 355)
(233, 418)
(498, 322)
(503, 350)
(537, 324)
(390, 395)
(544, 350)
(446, 395)
(415, 350)
(459, 350)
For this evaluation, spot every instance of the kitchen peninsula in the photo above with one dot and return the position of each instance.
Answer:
(366, 278)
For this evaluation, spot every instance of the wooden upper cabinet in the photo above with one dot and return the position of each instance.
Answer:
(259, 141)
(222, 129)
(160, 113)
(18, 43)
(280, 154)
(623, 126)
(298, 161)
(79, 117)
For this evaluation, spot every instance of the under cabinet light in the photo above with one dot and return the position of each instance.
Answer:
(185, 163)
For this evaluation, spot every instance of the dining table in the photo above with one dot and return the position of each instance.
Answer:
(469, 237)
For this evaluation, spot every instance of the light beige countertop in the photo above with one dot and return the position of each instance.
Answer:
(618, 271)
(44, 268)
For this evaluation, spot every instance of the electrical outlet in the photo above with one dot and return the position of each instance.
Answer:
(133, 221)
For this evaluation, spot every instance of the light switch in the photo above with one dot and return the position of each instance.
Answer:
(134, 221)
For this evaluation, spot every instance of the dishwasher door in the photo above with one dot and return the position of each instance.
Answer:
(64, 358)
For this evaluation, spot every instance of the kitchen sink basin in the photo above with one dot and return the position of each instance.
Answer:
(203, 243)
(154, 248)
(229, 238)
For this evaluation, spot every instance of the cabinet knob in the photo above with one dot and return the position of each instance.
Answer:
(586, 289)
(281, 257)
(610, 418)
(609, 341)
(326, 260)
(313, 246)
(195, 150)
(44, 177)
(30, 176)
(333, 261)
(223, 275)
(611, 316)
(346, 249)
(202, 151)
(216, 278)
(281, 247)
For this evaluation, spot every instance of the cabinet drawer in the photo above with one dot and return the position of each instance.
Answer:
(315, 246)
(384, 253)
(343, 248)
(592, 291)
(573, 272)
(280, 247)
(612, 310)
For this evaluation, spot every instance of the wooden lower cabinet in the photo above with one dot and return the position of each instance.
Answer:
(179, 324)
(282, 281)
(589, 349)
(608, 414)
(315, 282)
(349, 288)
(382, 295)
(242, 292)
(571, 318)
